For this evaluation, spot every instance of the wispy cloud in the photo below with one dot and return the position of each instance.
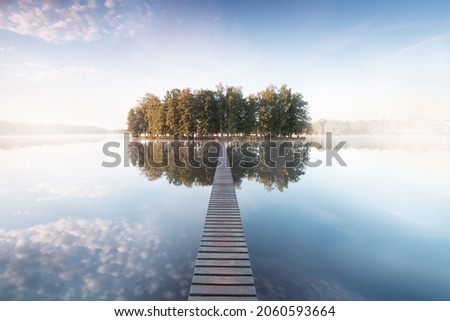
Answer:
(36, 72)
(7, 49)
(65, 21)
(23, 213)
(54, 192)
(419, 44)
(343, 38)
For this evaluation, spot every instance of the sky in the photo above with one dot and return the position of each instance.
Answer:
(87, 62)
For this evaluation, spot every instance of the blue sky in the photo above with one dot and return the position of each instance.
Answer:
(87, 62)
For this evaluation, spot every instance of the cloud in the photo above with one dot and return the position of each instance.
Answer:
(7, 49)
(419, 44)
(55, 192)
(23, 213)
(109, 4)
(344, 38)
(65, 21)
(37, 73)
(89, 259)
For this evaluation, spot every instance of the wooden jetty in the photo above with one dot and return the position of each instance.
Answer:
(222, 269)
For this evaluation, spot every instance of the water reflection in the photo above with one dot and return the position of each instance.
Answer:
(16, 142)
(89, 259)
(71, 229)
(190, 163)
(177, 162)
(388, 142)
(374, 230)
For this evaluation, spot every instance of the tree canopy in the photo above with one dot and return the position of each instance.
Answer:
(224, 111)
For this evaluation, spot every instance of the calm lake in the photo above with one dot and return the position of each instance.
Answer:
(376, 229)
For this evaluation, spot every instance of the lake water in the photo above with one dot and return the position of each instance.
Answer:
(376, 229)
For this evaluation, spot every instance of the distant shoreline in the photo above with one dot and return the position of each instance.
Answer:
(27, 129)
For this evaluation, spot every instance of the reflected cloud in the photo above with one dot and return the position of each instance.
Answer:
(309, 286)
(23, 213)
(78, 259)
(55, 192)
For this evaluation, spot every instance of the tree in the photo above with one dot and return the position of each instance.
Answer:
(172, 111)
(131, 120)
(235, 105)
(281, 112)
(136, 121)
(267, 103)
(220, 112)
(187, 112)
(249, 115)
(207, 116)
(298, 117)
(150, 105)
(140, 121)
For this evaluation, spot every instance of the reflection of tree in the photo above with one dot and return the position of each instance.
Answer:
(285, 167)
(161, 162)
(184, 163)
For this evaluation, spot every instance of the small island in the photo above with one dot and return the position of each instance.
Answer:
(224, 111)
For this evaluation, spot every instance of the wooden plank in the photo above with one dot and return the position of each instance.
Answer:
(227, 213)
(221, 280)
(223, 239)
(229, 203)
(223, 290)
(229, 228)
(223, 256)
(210, 234)
(223, 270)
(223, 231)
(225, 206)
(214, 227)
(236, 244)
(206, 249)
(223, 223)
(223, 263)
(218, 216)
(222, 219)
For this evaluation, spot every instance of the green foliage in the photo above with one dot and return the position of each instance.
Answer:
(136, 122)
(226, 110)
(282, 112)
(172, 111)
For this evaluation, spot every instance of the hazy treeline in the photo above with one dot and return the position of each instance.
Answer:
(224, 111)
(9, 128)
(377, 127)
